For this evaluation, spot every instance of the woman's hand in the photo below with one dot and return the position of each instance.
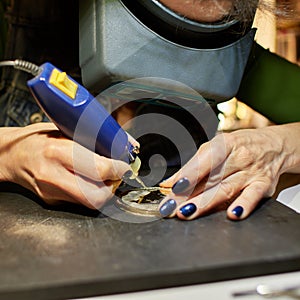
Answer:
(57, 169)
(235, 169)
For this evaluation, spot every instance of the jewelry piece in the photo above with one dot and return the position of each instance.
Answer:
(144, 201)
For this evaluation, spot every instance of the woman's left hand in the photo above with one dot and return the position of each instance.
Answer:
(236, 170)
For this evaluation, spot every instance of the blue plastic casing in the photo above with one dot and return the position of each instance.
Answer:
(81, 118)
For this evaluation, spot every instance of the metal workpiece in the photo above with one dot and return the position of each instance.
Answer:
(70, 252)
(143, 201)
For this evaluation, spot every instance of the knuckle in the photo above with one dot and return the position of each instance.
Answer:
(244, 151)
(51, 151)
(228, 189)
(263, 188)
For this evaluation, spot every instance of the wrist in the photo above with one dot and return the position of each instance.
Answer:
(288, 136)
(7, 134)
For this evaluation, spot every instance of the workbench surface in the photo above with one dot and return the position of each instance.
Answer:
(71, 252)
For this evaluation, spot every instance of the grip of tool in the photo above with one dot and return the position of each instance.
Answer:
(79, 115)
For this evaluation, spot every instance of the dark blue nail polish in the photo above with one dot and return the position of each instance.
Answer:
(180, 186)
(168, 208)
(188, 209)
(238, 211)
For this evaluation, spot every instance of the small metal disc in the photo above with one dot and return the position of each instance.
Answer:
(141, 201)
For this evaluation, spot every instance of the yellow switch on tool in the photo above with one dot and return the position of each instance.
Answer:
(63, 83)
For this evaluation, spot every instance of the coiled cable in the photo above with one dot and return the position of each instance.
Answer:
(21, 65)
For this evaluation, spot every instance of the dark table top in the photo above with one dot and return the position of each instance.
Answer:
(72, 252)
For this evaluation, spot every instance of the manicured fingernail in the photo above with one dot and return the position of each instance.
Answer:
(188, 209)
(180, 186)
(127, 175)
(168, 208)
(238, 211)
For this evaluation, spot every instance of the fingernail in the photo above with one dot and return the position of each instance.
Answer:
(238, 211)
(188, 209)
(180, 186)
(168, 208)
(127, 175)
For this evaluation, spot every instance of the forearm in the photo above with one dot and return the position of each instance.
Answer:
(7, 137)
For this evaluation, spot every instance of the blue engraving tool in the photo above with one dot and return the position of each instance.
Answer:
(79, 115)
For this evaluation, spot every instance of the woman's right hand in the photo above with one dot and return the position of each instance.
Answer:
(57, 169)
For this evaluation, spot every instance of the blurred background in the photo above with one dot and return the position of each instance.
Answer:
(280, 35)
